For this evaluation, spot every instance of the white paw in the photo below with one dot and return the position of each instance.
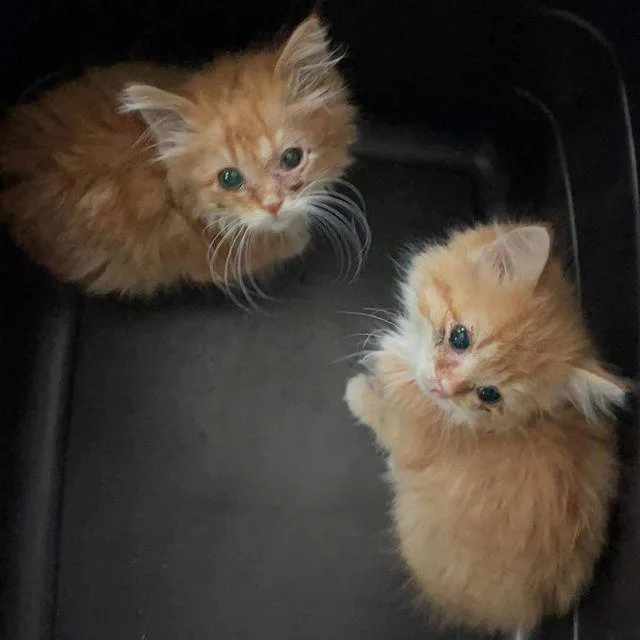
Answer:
(355, 393)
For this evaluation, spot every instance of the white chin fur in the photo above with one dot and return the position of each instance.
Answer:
(281, 222)
(258, 220)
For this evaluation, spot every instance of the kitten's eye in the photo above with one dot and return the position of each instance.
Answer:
(459, 338)
(488, 395)
(230, 179)
(291, 158)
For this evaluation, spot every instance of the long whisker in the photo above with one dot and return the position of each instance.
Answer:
(378, 310)
(226, 234)
(350, 206)
(362, 356)
(317, 184)
(249, 268)
(345, 249)
(351, 187)
(229, 263)
(344, 219)
(238, 268)
(352, 235)
(336, 224)
(358, 218)
(213, 223)
(370, 315)
(213, 247)
(344, 214)
(334, 239)
(376, 334)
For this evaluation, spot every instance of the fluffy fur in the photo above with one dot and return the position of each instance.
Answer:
(113, 178)
(500, 508)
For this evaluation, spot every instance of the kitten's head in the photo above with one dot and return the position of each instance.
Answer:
(252, 138)
(492, 334)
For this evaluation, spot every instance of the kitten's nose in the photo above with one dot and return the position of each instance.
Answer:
(441, 387)
(272, 206)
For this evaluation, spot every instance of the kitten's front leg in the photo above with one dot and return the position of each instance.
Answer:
(366, 404)
(361, 400)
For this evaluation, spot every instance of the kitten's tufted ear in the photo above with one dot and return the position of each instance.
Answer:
(519, 254)
(167, 115)
(595, 391)
(306, 60)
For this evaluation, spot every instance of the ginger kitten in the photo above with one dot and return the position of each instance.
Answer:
(135, 177)
(489, 397)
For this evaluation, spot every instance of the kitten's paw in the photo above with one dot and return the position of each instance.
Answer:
(356, 393)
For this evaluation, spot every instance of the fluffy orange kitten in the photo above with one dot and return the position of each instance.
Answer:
(488, 396)
(136, 176)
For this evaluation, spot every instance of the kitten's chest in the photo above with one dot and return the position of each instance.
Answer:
(461, 474)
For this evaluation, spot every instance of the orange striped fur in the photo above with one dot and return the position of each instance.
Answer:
(113, 178)
(500, 508)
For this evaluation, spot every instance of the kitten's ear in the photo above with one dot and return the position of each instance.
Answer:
(167, 115)
(594, 391)
(520, 254)
(306, 60)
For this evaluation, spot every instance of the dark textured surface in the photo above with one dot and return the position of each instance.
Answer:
(216, 485)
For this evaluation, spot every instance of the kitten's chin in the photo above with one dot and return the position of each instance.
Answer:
(286, 220)
(260, 222)
(276, 225)
(455, 413)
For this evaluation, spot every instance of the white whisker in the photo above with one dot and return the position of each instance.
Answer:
(348, 185)
(362, 356)
(342, 244)
(248, 268)
(350, 237)
(377, 310)
(370, 315)
(229, 262)
(334, 239)
(342, 218)
(239, 272)
(226, 233)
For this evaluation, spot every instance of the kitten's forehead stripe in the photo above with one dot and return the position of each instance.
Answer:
(228, 135)
(264, 149)
(509, 328)
(445, 293)
(489, 339)
(240, 154)
(260, 120)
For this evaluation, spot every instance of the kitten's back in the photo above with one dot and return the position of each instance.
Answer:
(78, 174)
(79, 121)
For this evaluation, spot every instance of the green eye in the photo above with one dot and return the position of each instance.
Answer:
(488, 395)
(459, 338)
(291, 158)
(230, 179)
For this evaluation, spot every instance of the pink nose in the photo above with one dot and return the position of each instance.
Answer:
(273, 207)
(439, 388)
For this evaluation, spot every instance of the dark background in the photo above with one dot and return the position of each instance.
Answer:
(432, 76)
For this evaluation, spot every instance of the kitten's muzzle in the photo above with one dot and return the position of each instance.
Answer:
(442, 388)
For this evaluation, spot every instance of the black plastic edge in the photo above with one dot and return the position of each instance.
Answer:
(30, 588)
